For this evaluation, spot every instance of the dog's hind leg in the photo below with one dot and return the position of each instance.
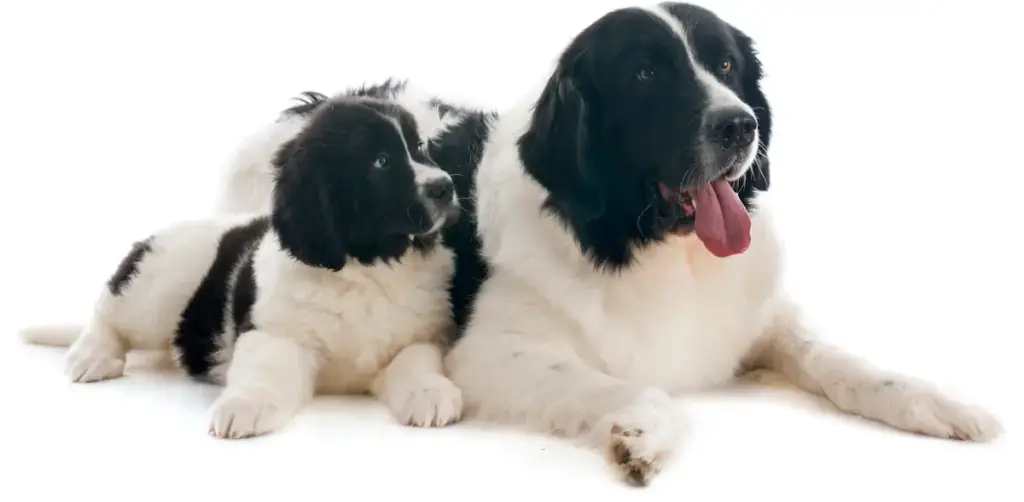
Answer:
(97, 354)
(858, 388)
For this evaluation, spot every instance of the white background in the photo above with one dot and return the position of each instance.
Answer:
(897, 180)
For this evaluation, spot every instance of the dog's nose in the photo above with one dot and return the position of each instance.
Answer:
(439, 189)
(732, 128)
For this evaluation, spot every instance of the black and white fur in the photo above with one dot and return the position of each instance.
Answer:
(340, 287)
(584, 300)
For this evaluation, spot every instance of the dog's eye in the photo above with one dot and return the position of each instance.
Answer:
(645, 74)
(421, 146)
(381, 162)
(726, 66)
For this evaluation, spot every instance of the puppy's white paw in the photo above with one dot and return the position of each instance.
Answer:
(238, 415)
(917, 407)
(642, 437)
(91, 359)
(432, 401)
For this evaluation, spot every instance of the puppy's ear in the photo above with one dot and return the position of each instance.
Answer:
(556, 148)
(759, 176)
(302, 215)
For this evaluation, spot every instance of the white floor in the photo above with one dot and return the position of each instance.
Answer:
(897, 186)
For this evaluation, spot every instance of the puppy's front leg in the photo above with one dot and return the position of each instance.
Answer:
(413, 385)
(858, 388)
(270, 378)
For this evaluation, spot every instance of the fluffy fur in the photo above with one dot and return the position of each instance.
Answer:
(600, 303)
(584, 299)
(341, 288)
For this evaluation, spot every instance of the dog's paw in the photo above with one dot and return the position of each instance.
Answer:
(642, 437)
(93, 360)
(433, 401)
(238, 415)
(917, 407)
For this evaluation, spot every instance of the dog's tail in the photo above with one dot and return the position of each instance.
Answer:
(55, 335)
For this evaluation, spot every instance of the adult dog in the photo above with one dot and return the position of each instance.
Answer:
(341, 288)
(616, 253)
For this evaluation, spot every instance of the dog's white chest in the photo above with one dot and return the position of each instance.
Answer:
(360, 318)
(678, 324)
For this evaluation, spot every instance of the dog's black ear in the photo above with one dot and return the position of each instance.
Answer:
(556, 148)
(760, 174)
(302, 215)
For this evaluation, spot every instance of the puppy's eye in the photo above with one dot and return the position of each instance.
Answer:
(645, 74)
(726, 66)
(381, 162)
(421, 146)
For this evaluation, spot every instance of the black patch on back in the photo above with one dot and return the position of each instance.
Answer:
(244, 295)
(129, 266)
(458, 151)
(202, 321)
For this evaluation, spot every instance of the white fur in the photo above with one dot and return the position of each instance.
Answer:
(556, 345)
(721, 96)
(362, 329)
(248, 181)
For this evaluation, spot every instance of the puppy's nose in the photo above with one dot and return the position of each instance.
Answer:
(732, 128)
(439, 189)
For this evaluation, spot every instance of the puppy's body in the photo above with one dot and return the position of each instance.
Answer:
(253, 303)
(454, 137)
(592, 284)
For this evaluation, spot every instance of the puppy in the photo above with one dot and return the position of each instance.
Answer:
(617, 251)
(342, 288)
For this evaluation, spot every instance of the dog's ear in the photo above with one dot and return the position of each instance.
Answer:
(759, 176)
(302, 215)
(556, 148)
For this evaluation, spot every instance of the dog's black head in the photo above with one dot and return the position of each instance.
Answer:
(649, 113)
(357, 182)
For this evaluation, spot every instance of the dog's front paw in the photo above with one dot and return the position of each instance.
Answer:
(642, 437)
(239, 415)
(433, 401)
(91, 360)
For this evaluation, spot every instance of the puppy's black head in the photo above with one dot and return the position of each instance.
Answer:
(649, 113)
(357, 182)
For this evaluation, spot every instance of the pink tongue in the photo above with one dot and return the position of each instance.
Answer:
(722, 222)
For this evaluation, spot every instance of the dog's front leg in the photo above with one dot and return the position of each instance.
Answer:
(270, 378)
(858, 388)
(509, 378)
(413, 385)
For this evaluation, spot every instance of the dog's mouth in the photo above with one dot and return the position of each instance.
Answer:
(442, 218)
(720, 220)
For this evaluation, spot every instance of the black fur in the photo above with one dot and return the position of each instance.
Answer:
(308, 101)
(244, 295)
(128, 267)
(330, 203)
(202, 321)
(311, 100)
(458, 151)
(600, 143)
(621, 114)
